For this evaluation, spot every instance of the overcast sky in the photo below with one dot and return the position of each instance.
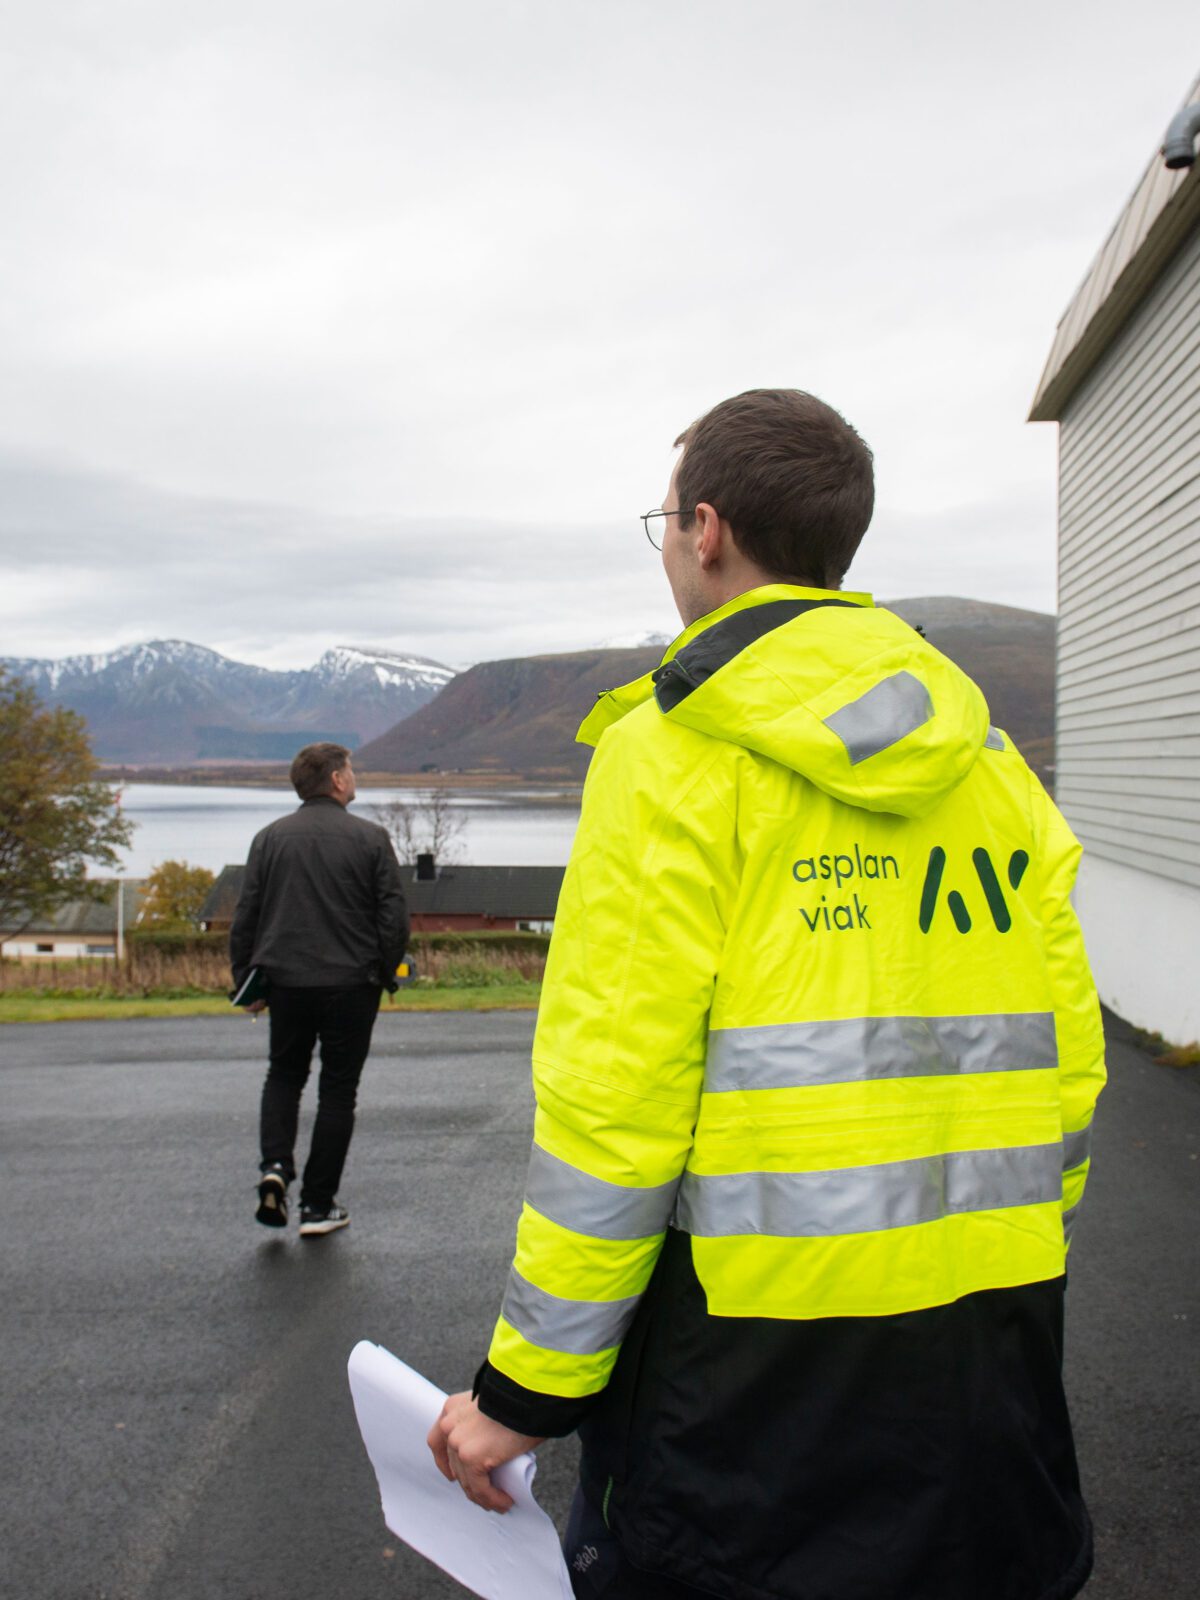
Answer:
(374, 321)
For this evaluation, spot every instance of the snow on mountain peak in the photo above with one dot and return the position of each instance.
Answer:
(167, 700)
(133, 663)
(391, 668)
(636, 641)
(138, 661)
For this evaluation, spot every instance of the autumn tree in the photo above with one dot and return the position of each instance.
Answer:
(173, 896)
(55, 817)
(429, 826)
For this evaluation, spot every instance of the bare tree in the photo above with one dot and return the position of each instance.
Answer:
(429, 826)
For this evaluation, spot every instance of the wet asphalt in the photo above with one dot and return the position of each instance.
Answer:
(177, 1420)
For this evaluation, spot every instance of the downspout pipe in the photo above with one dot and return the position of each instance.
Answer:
(1178, 145)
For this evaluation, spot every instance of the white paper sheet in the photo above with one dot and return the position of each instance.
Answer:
(514, 1556)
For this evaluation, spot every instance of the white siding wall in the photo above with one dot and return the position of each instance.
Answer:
(1142, 934)
(66, 949)
(1128, 758)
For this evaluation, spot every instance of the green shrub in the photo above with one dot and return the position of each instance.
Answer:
(502, 939)
(181, 965)
(474, 975)
(171, 940)
(175, 941)
(109, 992)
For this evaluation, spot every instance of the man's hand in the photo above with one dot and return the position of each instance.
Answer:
(467, 1446)
(256, 1006)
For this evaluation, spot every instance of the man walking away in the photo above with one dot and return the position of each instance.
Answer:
(322, 917)
(815, 1064)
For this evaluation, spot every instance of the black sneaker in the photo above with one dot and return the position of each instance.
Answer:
(316, 1220)
(272, 1198)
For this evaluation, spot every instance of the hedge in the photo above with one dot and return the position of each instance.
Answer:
(497, 939)
(185, 941)
(175, 941)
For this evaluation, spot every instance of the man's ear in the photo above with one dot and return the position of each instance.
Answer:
(706, 529)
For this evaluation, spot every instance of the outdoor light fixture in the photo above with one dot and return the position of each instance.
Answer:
(1178, 145)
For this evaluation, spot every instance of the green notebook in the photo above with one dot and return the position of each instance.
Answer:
(254, 988)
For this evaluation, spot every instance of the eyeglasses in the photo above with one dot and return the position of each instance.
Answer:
(648, 519)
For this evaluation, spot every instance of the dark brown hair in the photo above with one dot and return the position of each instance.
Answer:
(314, 766)
(790, 476)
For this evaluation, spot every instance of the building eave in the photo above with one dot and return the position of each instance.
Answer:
(1161, 213)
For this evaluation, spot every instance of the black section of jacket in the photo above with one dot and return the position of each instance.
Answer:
(322, 903)
(924, 1456)
(541, 1416)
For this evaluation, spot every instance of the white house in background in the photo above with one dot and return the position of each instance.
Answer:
(1123, 383)
(81, 928)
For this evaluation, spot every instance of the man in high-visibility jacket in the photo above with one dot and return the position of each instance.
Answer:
(815, 1064)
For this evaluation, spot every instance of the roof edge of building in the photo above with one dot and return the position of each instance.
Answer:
(1076, 351)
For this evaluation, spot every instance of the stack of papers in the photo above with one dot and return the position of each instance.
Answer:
(513, 1556)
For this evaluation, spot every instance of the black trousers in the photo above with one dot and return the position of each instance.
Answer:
(342, 1019)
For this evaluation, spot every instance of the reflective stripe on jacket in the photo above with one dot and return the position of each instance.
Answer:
(815, 993)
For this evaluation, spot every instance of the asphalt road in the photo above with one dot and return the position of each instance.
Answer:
(177, 1420)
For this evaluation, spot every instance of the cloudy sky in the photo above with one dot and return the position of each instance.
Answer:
(374, 322)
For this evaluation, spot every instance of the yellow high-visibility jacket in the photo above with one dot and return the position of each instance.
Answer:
(816, 995)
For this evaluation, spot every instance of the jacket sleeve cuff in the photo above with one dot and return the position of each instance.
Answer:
(541, 1416)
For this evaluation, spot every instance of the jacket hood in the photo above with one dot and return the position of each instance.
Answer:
(822, 681)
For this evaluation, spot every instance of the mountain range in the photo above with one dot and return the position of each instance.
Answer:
(520, 716)
(514, 717)
(174, 703)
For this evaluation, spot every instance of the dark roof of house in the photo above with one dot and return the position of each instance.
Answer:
(221, 900)
(524, 893)
(83, 918)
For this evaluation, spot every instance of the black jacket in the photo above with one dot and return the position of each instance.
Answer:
(322, 904)
(924, 1456)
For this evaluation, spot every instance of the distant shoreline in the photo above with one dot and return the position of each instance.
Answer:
(274, 775)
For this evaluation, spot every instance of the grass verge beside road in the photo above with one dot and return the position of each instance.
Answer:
(18, 1007)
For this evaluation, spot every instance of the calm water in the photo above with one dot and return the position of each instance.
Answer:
(213, 827)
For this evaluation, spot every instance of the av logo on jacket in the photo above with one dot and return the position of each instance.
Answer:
(993, 894)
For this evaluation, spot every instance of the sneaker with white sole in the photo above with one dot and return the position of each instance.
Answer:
(316, 1220)
(272, 1198)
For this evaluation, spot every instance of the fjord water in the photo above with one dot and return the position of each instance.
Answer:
(213, 827)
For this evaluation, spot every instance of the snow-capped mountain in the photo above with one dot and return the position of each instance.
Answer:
(130, 663)
(347, 661)
(636, 641)
(170, 702)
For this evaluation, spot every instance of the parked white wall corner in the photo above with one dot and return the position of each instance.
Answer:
(1143, 939)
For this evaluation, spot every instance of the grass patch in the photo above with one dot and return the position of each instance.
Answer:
(1162, 1051)
(1184, 1055)
(97, 1008)
(495, 997)
(94, 1008)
